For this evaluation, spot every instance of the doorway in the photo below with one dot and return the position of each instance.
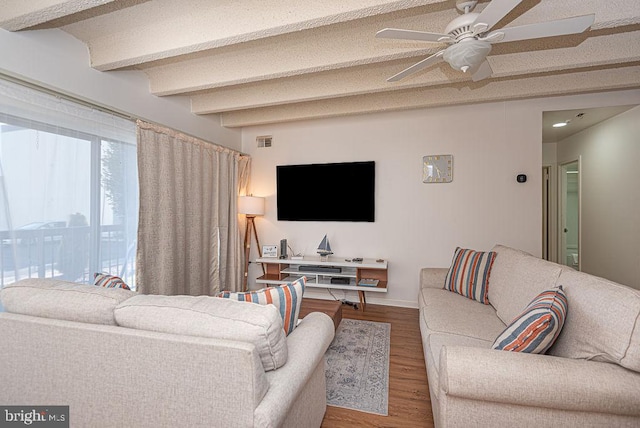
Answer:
(569, 209)
(546, 238)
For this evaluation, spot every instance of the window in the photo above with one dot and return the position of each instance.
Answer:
(68, 189)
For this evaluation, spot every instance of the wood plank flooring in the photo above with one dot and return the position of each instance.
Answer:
(409, 404)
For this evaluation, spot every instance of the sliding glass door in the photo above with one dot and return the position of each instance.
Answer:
(68, 197)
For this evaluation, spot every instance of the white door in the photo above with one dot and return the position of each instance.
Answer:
(569, 214)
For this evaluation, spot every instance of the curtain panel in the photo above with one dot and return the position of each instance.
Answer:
(188, 234)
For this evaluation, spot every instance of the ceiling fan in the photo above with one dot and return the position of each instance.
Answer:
(470, 38)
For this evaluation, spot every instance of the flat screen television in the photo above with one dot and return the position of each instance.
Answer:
(326, 192)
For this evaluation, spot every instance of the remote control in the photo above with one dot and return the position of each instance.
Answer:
(357, 259)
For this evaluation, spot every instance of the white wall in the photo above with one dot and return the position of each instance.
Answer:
(610, 180)
(549, 154)
(416, 224)
(57, 60)
(419, 225)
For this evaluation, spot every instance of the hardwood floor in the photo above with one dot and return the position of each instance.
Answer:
(409, 404)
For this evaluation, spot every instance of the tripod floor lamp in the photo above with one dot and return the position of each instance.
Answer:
(251, 206)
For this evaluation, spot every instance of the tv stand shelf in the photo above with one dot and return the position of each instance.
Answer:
(280, 271)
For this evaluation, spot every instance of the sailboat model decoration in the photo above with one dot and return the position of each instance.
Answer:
(324, 249)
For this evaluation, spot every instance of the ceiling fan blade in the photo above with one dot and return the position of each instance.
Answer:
(417, 67)
(482, 72)
(494, 12)
(559, 27)
(395, 33)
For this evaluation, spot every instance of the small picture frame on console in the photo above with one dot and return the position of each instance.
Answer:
(270, 251)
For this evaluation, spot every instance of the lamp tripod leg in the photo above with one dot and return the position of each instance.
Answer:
(255, 233)
(247, 250)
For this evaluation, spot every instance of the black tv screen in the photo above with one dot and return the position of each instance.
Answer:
(326, 192)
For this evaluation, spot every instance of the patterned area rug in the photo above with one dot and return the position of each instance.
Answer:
(357, 368)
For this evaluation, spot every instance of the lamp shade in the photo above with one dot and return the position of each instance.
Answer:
(251, 205)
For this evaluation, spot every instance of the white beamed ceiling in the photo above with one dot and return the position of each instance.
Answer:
(265, 61)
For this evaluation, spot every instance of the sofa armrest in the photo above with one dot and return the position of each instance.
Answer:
(433, 277)
(307, 345)
(538, 381)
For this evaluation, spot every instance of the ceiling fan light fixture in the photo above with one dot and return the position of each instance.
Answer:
(467, 54)
(470, 36)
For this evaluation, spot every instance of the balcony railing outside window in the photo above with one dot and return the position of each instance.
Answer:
(63, 253)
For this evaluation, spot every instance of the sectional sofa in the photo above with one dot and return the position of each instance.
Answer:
(124, 360)
(590, 377)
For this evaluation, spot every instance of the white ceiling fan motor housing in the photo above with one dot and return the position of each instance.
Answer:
(460, 27)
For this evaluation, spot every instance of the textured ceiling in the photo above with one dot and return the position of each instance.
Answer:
(266, 61)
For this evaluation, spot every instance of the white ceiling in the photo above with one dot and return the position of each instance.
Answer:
(577, 120)
(266, 61)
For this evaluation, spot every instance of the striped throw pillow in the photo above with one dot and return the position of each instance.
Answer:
(109, 281)
(469, 274)
(538, 327)
(287, 298)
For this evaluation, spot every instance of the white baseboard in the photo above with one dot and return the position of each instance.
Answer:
(318, 293)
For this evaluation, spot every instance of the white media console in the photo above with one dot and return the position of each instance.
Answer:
(335, 273)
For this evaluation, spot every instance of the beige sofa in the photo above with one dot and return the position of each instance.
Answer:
(61, 345)
(590, 377)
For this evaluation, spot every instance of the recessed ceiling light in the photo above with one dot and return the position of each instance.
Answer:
(560, 124)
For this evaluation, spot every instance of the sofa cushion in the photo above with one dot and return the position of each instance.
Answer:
(51, 298)
(516, 278)
(446, 312)
(469, 274)
(287, 298)
(603, 323)
(207, 316)
(433, 277)
(535, 330)
(109, 281)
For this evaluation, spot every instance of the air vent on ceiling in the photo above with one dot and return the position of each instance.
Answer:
(264, 140)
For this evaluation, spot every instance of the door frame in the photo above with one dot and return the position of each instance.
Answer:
(561, 251)
(550, 212)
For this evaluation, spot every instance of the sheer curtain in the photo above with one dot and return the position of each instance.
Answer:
(68, 188)
(188, 234)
